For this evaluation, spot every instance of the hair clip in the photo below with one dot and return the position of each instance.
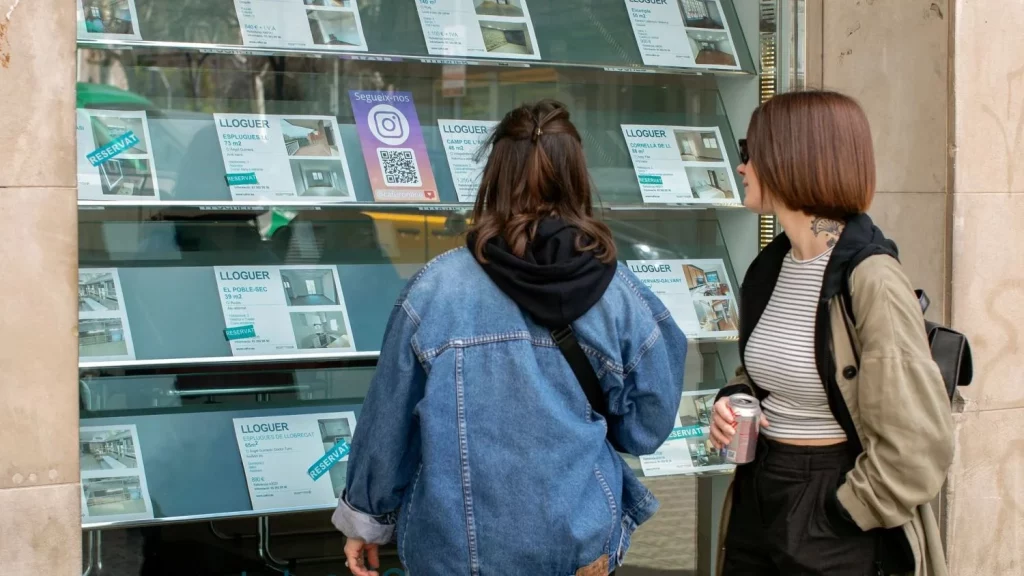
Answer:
(537, 132)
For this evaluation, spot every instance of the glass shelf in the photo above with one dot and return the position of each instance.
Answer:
(333, 358)
(149, 48)
(250, 206)
(187, 162)
(169, 256)
(569, 33)
(186, 435)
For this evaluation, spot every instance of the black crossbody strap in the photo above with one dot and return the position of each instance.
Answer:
(566, 340)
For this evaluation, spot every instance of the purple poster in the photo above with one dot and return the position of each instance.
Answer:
(393, 147)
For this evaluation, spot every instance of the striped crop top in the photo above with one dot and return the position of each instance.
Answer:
(779, 355)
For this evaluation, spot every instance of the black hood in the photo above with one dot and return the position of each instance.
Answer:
(553, 282)
(859, 240)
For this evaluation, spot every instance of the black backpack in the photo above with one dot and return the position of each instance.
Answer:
(950, 350)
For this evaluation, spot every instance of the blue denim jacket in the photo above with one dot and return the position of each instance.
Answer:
(477, 440)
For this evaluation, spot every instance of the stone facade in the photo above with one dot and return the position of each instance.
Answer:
(986, 496)
(943, 84)
(39, 491)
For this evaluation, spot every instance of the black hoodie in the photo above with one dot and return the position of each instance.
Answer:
(553, 282)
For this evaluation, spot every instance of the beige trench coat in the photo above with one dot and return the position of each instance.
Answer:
(899, 407)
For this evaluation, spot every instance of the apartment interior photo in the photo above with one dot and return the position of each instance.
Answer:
(96, 292)
(506, 8)
(695, 410)
(711, 48)
(106, 129)
(705, 14)
(315, 330)
(506, 37)
(716, 315)
(709, 281)
(309, 287)
(315, 177)
(710, 183)
(107, 450)
(113, 496)
(101, 337)
(108, 16)
(331, 28)
(126, 177)
(333, 431)
(329, 3)
(697, 146)
(309, 137)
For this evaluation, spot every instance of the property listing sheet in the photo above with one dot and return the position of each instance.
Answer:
(301, 24)
(273, 310)
(295, 461)
(478, 28)
(115, 156)
(698, 294)
(688, 449)
(296, 158)
(463, 141)
(683, 33)
(681, 164)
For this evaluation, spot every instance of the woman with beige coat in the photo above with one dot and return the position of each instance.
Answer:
(856, 437)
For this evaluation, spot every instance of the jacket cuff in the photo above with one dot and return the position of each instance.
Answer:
(859, 513)
(366, 527)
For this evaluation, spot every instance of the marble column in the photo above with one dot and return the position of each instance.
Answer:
(943, 84)
(986, 501)
(39, 483)
(892, 56)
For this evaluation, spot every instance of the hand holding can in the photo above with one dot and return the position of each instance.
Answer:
(747, 411)
(724, 424)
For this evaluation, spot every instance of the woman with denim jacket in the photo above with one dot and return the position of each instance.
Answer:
(476, 448)
(832, 340)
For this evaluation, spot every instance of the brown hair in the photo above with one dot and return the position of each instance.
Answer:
(536, 170)
(812, 152)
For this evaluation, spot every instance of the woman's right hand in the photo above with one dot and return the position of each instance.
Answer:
(723, 423)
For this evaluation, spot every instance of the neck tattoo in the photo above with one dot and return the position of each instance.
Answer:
(829, 228)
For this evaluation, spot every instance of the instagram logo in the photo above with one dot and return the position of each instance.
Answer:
(388, 124)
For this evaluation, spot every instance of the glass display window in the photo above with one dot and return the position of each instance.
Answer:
(258, 179)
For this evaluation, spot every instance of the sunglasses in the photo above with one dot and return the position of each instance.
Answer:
(744, 155)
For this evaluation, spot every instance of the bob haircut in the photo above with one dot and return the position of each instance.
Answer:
(536, 170)
(812, 152)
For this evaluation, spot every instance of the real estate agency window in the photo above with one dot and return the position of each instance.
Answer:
(257, 182)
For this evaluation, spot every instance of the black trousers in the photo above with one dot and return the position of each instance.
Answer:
(783, 523)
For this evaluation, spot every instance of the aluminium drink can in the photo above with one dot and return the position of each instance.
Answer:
(748, 424)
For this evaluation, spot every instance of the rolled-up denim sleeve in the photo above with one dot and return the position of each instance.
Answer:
(652, 390)
(386, 444)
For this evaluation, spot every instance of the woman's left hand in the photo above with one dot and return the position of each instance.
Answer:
(354, 550)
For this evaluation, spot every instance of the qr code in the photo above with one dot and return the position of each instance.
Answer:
(399, 167)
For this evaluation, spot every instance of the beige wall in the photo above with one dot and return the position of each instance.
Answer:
(39, 490)
(987, 483)
(892, 56)
(943, 85)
